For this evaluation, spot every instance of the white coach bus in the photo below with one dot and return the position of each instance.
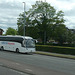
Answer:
(17, 43)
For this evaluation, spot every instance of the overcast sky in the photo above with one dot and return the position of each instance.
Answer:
(10, 10)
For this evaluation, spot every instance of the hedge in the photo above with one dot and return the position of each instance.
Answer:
(56, 49)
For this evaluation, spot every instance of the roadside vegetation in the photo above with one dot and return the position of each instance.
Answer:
(11, 31)
(56, 49)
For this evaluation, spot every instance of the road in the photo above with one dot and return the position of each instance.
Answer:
(37, 64)
(8, 71)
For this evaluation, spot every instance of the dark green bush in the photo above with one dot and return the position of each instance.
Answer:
(56, 49)
(52, 44)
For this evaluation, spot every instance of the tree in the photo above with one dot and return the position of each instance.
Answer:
(70, 36)
(44, 18)
(11, 31)
(60, 34)
(41, 15)
(20, 23)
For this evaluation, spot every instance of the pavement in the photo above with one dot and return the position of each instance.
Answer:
(56, 54)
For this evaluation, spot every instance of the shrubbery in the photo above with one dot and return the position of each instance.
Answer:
(52, 44)
(56, 49)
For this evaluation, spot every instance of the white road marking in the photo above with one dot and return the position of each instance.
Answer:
(19, 72)
(17, 63)
(28, 70)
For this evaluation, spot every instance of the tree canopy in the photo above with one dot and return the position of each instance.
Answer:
(11, 31)
(45, 20)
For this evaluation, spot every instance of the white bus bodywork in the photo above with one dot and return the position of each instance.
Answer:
(24, 44)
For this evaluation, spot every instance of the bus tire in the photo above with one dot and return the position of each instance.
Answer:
(17, 50)
(2, 48)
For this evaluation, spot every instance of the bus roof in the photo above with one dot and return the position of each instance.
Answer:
(26, 37)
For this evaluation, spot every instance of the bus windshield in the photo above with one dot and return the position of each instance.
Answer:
(30, 43)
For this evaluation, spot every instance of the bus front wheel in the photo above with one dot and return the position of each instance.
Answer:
(17, 50)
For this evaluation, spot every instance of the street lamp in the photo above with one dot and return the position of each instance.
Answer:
(41, 0)
(45, 0)
(24, 17)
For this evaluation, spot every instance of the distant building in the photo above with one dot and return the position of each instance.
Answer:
(72, 30)
(1, 31)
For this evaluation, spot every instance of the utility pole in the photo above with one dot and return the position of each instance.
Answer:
(45, 15)
(24, 18)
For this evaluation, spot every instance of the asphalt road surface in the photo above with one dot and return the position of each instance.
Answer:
(8, 71)
(37, 64)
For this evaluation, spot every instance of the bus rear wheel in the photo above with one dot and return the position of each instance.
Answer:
(2, 48)
(17, 50)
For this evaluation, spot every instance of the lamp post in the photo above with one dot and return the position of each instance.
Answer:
(45, 15)
(45, 0)
(24, 18)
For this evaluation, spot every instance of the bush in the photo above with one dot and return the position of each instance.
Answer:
(56, 49)
(52, 44)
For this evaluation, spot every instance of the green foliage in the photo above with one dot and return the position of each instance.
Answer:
(11, 31)
(70, 37)
(32, 31)
(41, 15)
(60, 33)
(42, 21)
(56, 49)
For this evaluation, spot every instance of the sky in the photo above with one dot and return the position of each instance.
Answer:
(10, 10)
